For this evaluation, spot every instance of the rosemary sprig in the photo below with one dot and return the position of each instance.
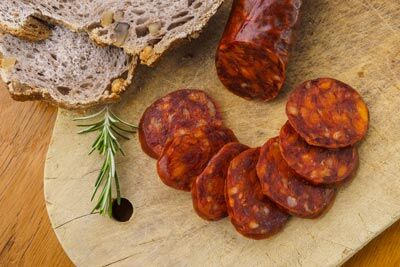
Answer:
(110, 127)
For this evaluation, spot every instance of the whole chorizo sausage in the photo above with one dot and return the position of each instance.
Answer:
(252, 55)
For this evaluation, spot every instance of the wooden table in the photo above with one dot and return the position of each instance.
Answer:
(26, 237)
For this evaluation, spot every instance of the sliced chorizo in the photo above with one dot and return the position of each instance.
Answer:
(252, 56)
(208, 189)
(186, 155)
(319, 166)
(251, 212)
(286, 189)
(328, 113)
(180, 110)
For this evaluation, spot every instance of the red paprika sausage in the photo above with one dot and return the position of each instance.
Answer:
(251, 212)
(286, 189)
(208, 189)
(317, 165)
(328, 113)
(252, 56)
(180, 110)
(186, 155)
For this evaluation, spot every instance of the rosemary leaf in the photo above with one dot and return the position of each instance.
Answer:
(90, 116)
(119, 134)
(124, 130)
(123, 122)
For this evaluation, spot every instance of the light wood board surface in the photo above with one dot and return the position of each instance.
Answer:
(27, 238)
(354, 41)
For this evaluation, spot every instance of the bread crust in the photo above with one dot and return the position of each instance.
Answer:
(34, 94)
(33, 30)
(24, 92)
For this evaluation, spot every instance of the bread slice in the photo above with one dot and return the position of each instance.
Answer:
(141, 27)
(67, 69)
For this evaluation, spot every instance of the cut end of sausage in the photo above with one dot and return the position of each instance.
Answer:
(250, 71)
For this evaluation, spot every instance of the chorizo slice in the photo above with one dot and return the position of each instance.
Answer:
(328, 113)
(180, 110)
(208, 189)
(317, 165)
(251, 212)
(252, 56)
(186, 155)
(286, 189)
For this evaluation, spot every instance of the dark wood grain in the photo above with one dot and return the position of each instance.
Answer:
(26, 237)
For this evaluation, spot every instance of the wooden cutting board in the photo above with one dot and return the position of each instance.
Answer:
(356, 41)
